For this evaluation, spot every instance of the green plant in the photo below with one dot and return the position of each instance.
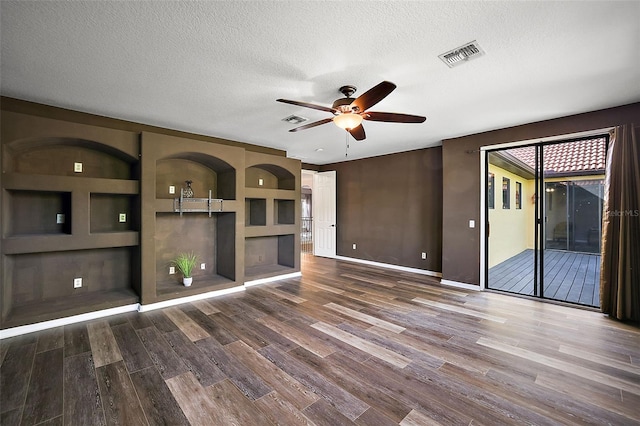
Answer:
(185, 262)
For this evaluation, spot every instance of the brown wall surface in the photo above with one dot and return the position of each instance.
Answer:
(391, 208)
(461, 178)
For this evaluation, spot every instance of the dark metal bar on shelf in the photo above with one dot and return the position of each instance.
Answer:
(200, 205)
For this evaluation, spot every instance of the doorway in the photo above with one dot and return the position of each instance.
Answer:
(544, 212)
(318, 222)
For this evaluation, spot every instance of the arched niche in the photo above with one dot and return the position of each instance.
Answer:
(58, 156)
(204, 171)
(272, 177)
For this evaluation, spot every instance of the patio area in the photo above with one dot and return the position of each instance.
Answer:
(568, 276)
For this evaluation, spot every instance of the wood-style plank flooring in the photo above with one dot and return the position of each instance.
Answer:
(345, 344)
(568, 276)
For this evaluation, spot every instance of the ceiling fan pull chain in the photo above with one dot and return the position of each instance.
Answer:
(346, 139)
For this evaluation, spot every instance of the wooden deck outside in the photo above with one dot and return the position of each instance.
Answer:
(568, 276)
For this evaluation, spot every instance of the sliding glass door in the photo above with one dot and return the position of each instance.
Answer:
(544, 213)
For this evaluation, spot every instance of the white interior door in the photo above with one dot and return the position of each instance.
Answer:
(324, 214)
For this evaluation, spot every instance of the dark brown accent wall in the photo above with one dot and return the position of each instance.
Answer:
(461, 180)
(391, 208)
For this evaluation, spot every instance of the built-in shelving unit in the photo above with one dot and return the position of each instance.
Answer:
(206, 224)
(272, 212)
(91, 217)
(70, 197)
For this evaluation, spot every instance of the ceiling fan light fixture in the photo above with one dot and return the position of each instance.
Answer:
(347, 120)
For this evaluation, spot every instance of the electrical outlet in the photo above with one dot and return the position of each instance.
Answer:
(172, 189)
(77, 282)
(260, 258)
(122, 217)
(203, 266)
(60, 218)
(260, 182)
(472, 223)
(172, 270)
(354, 246)
(424, 255)
(77, 167)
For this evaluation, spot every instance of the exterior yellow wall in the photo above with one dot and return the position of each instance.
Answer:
(511, 230)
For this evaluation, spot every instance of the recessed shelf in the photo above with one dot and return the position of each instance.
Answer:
(285, 212)
(113, 213)
(38, 213)
(255, 212)
(269, 176)
(269, 255)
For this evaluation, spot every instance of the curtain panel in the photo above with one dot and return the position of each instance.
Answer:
(620, 261)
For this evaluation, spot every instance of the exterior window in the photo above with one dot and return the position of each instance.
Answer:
(506, 193)
(491, 184)
(518, 195)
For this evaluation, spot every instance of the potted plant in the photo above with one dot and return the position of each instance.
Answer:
(185, 262)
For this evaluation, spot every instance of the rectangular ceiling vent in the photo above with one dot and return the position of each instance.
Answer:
(294, 119)
(462, 54)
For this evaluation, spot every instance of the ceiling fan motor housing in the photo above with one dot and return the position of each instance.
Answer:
(344, 104)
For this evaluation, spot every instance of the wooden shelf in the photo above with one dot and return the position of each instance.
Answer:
(67, 306)
(166, 290)
(50, 243)
(265, 231)
(281, 194)
(265, 271)
(30, 182)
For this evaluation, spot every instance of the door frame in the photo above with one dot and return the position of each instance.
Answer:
(484, 243)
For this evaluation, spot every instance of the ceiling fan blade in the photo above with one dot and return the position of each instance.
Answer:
(373, 96)
(310, 125)
(308, 105)
(393, 117)
(358, 133)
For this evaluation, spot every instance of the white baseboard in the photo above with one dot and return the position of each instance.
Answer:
(24, 329)
(460, 285)
(271, 279)
(390, 266)
(186, 299)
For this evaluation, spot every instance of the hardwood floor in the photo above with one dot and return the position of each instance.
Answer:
(345, 344)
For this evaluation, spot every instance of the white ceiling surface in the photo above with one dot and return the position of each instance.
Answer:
(217, 67)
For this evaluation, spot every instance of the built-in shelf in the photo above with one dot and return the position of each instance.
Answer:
(269, 254)
(71, 211)
(255, 212)
(285, 213)
(38, 213)
(64, 306)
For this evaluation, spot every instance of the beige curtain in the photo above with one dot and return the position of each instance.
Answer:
(620, 263)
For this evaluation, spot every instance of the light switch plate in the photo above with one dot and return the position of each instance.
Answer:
(77, 167)
(203, 266)
(60, 218)
(122, 217)
(354, 246)
(472, 223)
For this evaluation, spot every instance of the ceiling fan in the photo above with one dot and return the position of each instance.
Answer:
(348, 112)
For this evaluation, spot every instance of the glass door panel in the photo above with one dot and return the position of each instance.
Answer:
(510, 212)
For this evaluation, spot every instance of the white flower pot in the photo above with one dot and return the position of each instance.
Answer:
(187, 281)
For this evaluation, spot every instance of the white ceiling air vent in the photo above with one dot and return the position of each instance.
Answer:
(462, 54)
(294, 119)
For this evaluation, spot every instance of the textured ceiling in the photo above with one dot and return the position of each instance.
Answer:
(217, 67)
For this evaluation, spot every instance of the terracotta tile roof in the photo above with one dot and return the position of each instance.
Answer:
(569, 157)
